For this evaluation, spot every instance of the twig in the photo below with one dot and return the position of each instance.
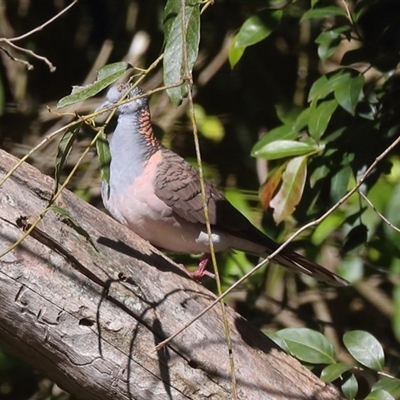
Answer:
(290, 239)
(9, 42)
(39, 28)
(188, 82)
(380, 215)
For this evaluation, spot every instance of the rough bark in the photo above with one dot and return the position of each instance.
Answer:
(90, 319)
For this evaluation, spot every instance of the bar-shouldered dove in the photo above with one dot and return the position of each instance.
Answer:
(156, 193)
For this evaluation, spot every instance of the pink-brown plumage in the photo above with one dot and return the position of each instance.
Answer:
(156, 193)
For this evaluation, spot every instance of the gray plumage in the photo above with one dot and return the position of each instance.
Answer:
(156, 193)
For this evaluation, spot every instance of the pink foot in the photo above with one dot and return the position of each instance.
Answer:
(201, 270)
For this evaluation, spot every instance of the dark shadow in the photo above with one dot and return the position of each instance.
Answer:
(153, 259)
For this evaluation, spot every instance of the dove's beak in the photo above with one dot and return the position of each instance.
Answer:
(103, 106)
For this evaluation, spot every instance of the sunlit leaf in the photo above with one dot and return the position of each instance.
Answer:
(323, 12)
(291, 190)
(174, 63)
(340, 182)
(379, 395)
(350, 387)
(104, 156)
(349, 92)
(105, 76)
(308, 345)
(273, 181)
(209, 125)
(283, 132)
(334, 371)
(389, 384)
(329, 41)
(320, 117)
(64, 148)
(365, 349)
(284, 148)
(257, 28)
(235, 53)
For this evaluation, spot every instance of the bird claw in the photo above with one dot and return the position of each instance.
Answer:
(201, 270)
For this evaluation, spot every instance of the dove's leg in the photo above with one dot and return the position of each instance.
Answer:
(201, 270)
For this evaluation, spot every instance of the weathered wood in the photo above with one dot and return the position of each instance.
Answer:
(90, 320)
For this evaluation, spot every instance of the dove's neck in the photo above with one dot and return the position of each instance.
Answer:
(130, 148)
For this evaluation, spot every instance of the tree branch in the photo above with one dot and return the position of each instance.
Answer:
(90, 320)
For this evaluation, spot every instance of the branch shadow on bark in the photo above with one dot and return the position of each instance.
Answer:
(90, 319)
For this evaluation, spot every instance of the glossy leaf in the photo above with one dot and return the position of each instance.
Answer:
(388, 384)
(334, 371)
(308, 345)
(323, 12)
(106, 76)
(289, 195)
(64, 148)
(340, 182)
(209, 125)
(174, 68)
(325, 85)
(257, 28)
(350, 387)
(365, 349)
(379, 395)
(349, 92)
(272, 183)
(284, 148)
(320, 117)
(283, 132)
(235, 53)
(328, 43)
(302, 120)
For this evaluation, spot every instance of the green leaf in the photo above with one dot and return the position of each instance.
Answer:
(388, 384)
(270, 186)
(302, 120)
(350, 387)
(308, 345)
(356, 237)
(349, 92)
(174, 68)
(323, 12)
(77, 228)
(284, 148)
(275, 337)
(325, 85)
(365, 349)
(235, 53)
(171, 11)
(209, 126)
(288, 113)
(105, 76)
(258, 27)
(334, 371)
(64, 148)
(396, 311)
(104, 155)
(320, 117)
(329, 41)
(283, 132)
(340, 182)
(289, 195)
(379, 395)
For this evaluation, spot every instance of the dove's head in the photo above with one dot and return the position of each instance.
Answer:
(118, 92)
